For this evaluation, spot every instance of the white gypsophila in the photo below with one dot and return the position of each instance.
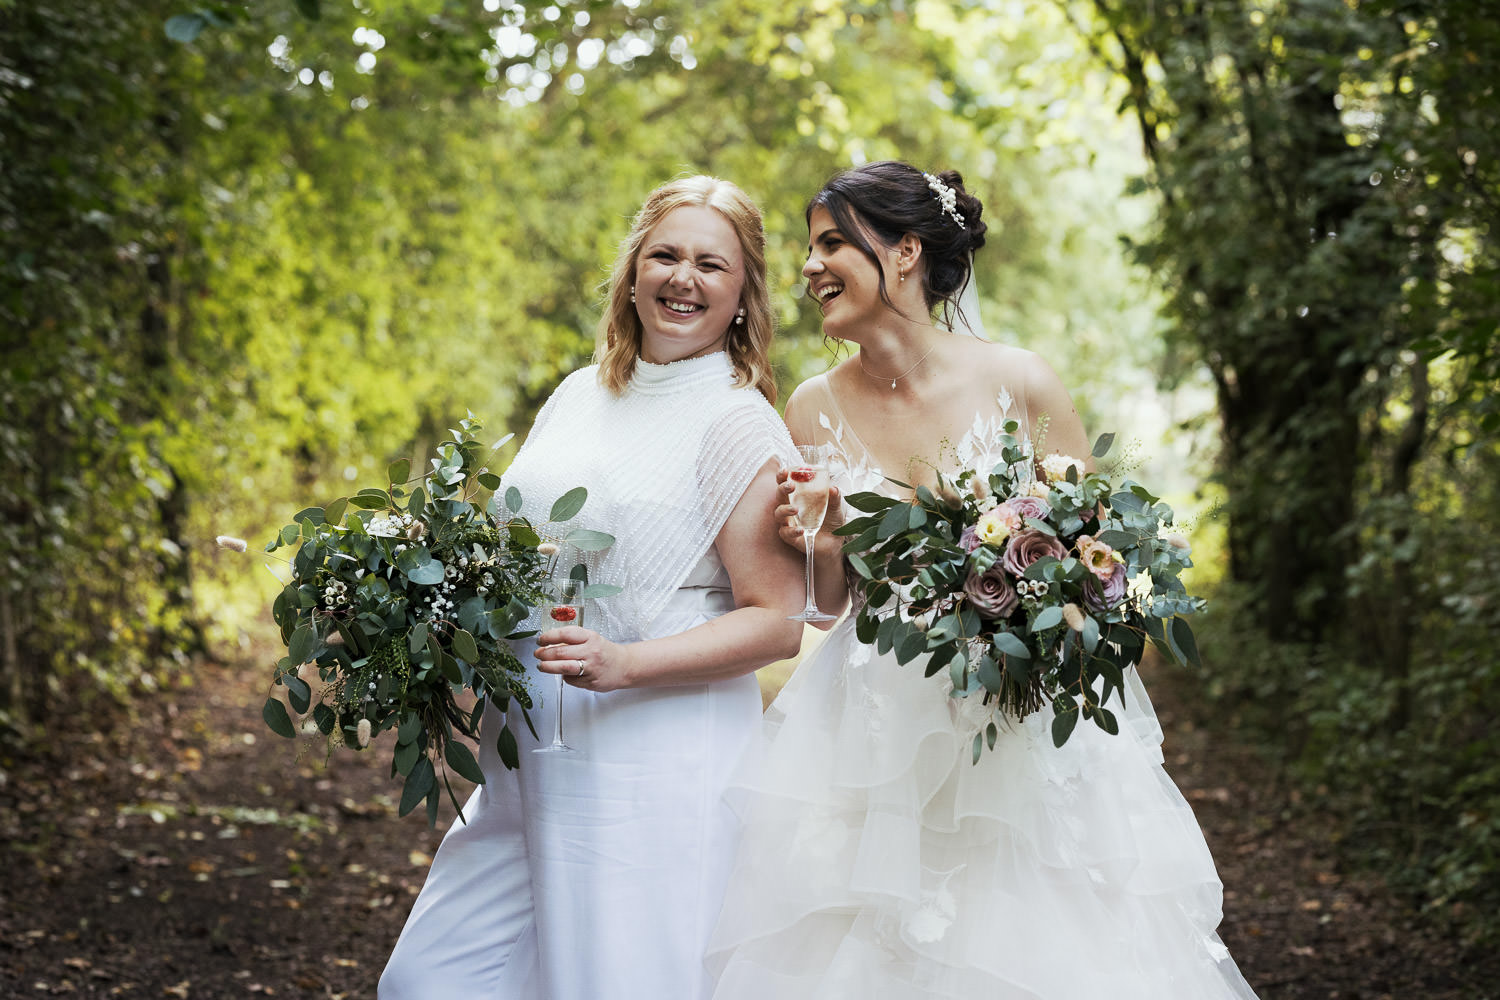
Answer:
(385, 527)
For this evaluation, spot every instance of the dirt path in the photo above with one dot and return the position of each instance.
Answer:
(199, 856)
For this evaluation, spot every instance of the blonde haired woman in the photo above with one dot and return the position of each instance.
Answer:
(599, 874)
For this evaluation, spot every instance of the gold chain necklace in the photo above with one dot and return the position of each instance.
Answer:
(881, 378)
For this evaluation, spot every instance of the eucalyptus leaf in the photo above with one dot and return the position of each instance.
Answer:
(523, 534)
(464, 646)
(406, 756)
(304, 641)
(870, 503)
(1010, 645)
(510, 754)
(1048, 617)
(298, 693)
(334, 512)
(990, 675)
(1090, 634)
(1106, 721)
(428, 572)
(1182, 638)
(569, 504)
(420, 782)
(588, 540)
(1062, 726)
(461, 759)
(274, 714)
(894, 522)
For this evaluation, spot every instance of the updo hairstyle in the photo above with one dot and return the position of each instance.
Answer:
(888, 199)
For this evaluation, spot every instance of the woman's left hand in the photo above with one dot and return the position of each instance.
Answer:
(584, 658)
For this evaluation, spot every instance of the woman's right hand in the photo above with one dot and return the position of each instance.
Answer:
(786, 517)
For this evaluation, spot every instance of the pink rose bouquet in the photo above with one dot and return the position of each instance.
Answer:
(1038, 583)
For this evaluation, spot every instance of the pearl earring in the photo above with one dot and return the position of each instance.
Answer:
(739, 318)
(632, 295)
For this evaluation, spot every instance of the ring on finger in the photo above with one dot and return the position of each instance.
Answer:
(580, 668)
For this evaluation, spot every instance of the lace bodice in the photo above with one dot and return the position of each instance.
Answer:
(852, 465)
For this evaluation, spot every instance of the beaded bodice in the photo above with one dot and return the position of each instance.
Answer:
(664, 461)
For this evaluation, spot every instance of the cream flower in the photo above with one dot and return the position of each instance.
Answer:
(547, 549)
(1055, 467)
(980, 485)
(1073, 615)
(230, 542)
(1037, 488)
(992, 529)
(362, 732)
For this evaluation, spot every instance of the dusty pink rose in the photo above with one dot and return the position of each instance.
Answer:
(969, 540)
(991, 593)
(1029, 545)
(1105, 595)
(1033, 507)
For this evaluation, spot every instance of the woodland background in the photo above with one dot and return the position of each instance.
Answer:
(251, 253)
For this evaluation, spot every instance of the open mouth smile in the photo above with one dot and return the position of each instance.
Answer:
(680, 307)
(827, 293)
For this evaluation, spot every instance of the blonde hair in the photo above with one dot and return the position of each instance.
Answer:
(618, 342)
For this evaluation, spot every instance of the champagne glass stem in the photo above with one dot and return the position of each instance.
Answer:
(557, 736)
(807, 541)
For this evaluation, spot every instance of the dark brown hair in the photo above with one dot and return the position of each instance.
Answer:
(887, 200)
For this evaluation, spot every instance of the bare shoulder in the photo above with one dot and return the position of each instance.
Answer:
(803, 407)
(1005, 366)
(1045, 397)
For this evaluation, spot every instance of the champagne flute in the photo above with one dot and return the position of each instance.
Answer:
(810, 486)
(564, 607)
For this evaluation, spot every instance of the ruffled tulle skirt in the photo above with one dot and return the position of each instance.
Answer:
(878, 862)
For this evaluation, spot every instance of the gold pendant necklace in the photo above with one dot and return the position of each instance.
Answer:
(881, 378)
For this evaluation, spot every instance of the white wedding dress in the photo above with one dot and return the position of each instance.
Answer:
(878, 863)
(598, 876)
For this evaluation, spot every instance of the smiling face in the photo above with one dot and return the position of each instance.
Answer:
(688, 279)
(840, 278)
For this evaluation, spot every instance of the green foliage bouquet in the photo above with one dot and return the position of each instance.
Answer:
(1034, 583)
(402, 597)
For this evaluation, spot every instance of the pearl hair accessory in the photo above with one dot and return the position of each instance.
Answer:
(946, 196)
